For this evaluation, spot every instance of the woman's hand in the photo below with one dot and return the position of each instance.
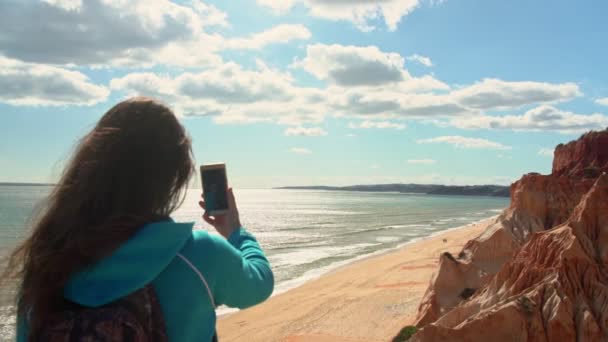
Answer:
(227, 223)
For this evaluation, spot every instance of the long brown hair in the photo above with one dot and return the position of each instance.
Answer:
(128, 171)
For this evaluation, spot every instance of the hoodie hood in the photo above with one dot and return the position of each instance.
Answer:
(132, 266)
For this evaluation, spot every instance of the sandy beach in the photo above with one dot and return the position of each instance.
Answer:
(368, 300)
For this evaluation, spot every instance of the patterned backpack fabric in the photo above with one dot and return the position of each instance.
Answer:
(134, 318)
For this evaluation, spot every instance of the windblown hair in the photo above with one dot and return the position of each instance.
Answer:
(131, 169)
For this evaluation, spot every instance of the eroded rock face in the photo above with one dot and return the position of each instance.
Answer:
(553, 289)
(538, 203)
(585, 157)
(458, 277)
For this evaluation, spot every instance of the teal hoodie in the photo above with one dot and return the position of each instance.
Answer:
(191, 271)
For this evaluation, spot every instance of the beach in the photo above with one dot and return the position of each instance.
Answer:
(367, 300)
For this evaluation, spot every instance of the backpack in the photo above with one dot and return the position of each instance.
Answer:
(134, 318)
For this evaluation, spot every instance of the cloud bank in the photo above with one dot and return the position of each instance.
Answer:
(361, 13)
(465, 142)
(30, 84)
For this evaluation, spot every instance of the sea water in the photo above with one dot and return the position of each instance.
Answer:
(303, 232)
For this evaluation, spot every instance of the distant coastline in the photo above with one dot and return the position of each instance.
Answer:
(25, 184)
(423, 189)
(427, 189)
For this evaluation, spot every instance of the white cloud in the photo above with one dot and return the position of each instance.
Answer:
(363, 82)
(352, 65)
(386, 104)
(464, 142)
(210, 15)
(377, 124)
(278, 34)
(231, 84)
(421, 98)
(144, 83)
(226, 84)
(421, 161)
(544, 117)
(30, 84)
(93, 31)
(360, 12)
(278, 6)
(499, 94)
(358, 104)
(375, 80)
(547, 152)
(135, 33)
(300, 150)
(68, 5)
(602, 101)
(426, 61)
(231, 94)
(305, 131)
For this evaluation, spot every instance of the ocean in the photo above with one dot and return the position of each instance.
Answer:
(303, 232)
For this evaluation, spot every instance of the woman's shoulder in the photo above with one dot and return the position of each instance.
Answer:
(207, 252)
(203, 242)
(200, 236)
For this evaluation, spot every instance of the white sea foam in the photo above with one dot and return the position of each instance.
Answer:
(318, 272)
(309, 255)
(385, 239)
(397, 226)
(7, 323)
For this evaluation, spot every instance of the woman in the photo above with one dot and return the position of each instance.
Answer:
(106, 233)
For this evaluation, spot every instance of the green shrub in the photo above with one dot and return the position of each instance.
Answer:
(405, 333)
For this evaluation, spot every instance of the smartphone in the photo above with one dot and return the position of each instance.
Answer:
(215, 188)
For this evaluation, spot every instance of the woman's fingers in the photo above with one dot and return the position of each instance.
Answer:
(209, 219)
(231, 200)
(221, 221)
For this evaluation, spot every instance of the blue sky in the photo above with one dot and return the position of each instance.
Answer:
(298, 92)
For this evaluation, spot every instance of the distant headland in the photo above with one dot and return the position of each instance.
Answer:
(25, 184)
(428, 189)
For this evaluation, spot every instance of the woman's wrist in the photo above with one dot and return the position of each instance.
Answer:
(233, 236)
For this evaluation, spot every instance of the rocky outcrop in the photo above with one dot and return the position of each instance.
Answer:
(538, 203)
(553, 289)
(457, 278)
(585, 157)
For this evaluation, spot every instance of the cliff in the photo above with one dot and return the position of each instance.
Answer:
(585, 157)
(553, 289)
(537, 266)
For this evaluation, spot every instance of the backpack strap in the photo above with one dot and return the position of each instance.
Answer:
(200, 276)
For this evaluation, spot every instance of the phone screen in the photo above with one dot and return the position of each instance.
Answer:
(214, 189)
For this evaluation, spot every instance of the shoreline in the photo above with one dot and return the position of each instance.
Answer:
(337, 266)
(315, 274)
(348, 294)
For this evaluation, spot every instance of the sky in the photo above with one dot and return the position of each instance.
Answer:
(310, 92)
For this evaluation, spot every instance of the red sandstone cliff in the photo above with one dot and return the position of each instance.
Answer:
(585, 157)
(555, 288)
(487, 264)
